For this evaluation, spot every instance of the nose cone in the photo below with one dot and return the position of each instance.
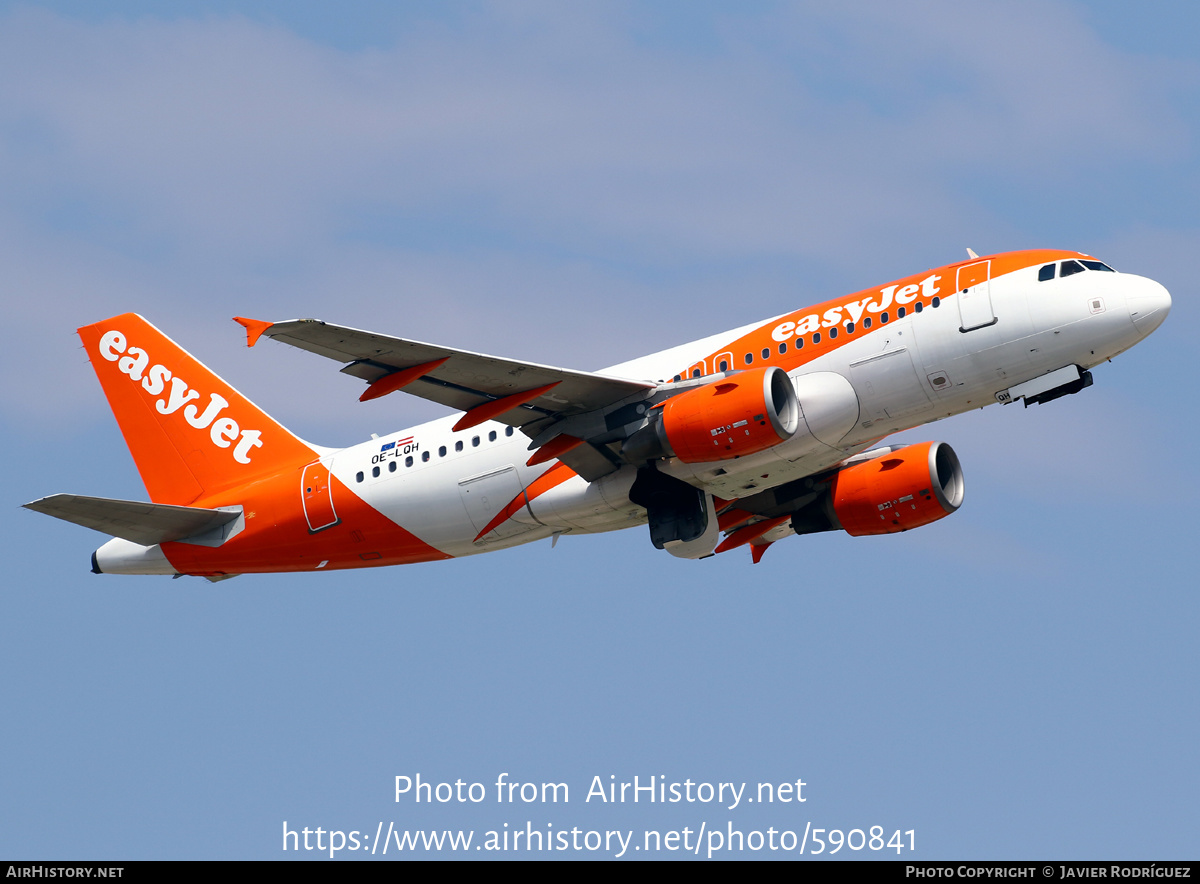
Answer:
(1149, 303)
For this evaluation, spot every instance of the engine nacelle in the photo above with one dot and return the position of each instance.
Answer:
(901, 490)
(742, 414)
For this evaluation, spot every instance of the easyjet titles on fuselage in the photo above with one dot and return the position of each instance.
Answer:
(814, 322)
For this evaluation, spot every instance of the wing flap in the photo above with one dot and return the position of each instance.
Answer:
(143, 523)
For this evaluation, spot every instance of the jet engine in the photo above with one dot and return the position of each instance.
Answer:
(900, 490)
(740, 414)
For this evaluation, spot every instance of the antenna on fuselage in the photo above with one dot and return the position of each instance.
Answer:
(971, 254)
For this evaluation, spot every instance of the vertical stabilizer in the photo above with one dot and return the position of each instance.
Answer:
(190, 433)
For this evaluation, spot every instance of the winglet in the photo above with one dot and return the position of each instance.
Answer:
(254, 328)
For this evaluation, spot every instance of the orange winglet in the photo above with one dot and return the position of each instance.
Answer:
(557, 446)
(254, 328)
(757, 550)
(496, 407)
(742, 536)
(390, 383)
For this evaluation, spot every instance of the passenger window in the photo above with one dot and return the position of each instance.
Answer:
(1047, 272)
(937, 302)
(900, 311)
(1069, 268)
(918, 306)
(492, 436)
(817, 338)
(424, 457)
(833, 333)
(849, 328)
(391, 466)
(883, 317)
(358, 477)
(474, 441)
(442, 451)
(866, 322)
(766, 354)
(375, 472)
(783, 348)
(508, 431)
(408, 461)
(723, 366)
(458, 445)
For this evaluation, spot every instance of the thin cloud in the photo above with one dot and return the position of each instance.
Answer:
(525, 166)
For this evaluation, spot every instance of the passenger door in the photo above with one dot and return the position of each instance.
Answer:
(975, 296)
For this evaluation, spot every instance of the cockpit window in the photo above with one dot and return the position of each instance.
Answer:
(1046, 271)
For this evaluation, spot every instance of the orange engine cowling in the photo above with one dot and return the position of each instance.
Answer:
(738, 415)
(900, 490)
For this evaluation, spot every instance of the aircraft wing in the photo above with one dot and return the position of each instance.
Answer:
(144, 523)
(465, 379)
(536, 396)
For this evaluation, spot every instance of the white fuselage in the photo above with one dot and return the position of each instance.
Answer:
(445, 486)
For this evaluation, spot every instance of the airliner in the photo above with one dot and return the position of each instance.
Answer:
(741, 439)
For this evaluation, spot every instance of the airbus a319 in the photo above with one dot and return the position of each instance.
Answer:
(740, 439)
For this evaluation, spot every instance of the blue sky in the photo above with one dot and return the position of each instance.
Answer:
(578, 185)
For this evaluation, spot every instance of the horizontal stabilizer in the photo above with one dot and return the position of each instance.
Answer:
(144, 523)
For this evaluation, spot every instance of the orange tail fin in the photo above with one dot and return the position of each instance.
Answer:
(190, 433)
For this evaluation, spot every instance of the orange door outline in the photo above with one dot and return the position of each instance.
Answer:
(317, 497)
(975, 296)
